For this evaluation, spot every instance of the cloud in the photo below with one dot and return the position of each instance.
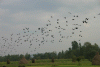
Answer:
(9, 2)
(78, 5)
(31, 17)
(75, 1)
(16, 20)
(3, 12)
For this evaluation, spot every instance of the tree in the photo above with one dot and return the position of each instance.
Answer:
(27, 56)
(63, 54)
(59, 55)
(90, 50)
(69, 49)
(74, 45)
(87, 44)
(21, 56)
(54, 54)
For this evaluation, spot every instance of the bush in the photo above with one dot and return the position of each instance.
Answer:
(4, 66)
(8, 61)
(52, 60)
(33, 60)
(78, 59)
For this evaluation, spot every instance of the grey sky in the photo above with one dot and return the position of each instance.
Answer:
(18, 14)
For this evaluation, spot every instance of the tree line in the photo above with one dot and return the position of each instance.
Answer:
(87, 51)
(14, 57)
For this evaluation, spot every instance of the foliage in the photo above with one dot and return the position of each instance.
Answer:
(27, 56)
(86, 51)
(14, 57)
(74, 45)
(78, 59)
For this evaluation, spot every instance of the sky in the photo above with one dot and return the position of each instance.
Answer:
(16, 16)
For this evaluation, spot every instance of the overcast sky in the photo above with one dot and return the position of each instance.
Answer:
(16, 15)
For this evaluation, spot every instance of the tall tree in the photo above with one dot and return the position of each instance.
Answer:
(74, 45)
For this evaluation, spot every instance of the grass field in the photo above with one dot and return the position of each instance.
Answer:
(48, 63)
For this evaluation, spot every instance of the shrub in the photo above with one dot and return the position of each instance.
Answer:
(52, 60)
(4, 66)
(78, 59)
(8, 61)
(33, 60)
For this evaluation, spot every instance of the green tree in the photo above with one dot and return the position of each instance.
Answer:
(74, 45)
(59, 55)
(27, 56)
(90, 50)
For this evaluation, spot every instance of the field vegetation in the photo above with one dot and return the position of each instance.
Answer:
(48, 63)
(77, 56)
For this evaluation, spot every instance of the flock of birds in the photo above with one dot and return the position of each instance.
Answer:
(41, 35)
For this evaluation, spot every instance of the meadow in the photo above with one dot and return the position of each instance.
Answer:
(48, 63)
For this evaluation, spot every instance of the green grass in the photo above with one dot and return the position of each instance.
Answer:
(48, 63)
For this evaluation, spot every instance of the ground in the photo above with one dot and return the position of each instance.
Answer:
(48, 63)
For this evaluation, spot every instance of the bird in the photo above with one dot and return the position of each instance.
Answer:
(51, 32)
(65, 17)
(69, 12)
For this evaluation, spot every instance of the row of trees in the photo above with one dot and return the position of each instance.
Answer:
(14, 57)
(86, 51)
